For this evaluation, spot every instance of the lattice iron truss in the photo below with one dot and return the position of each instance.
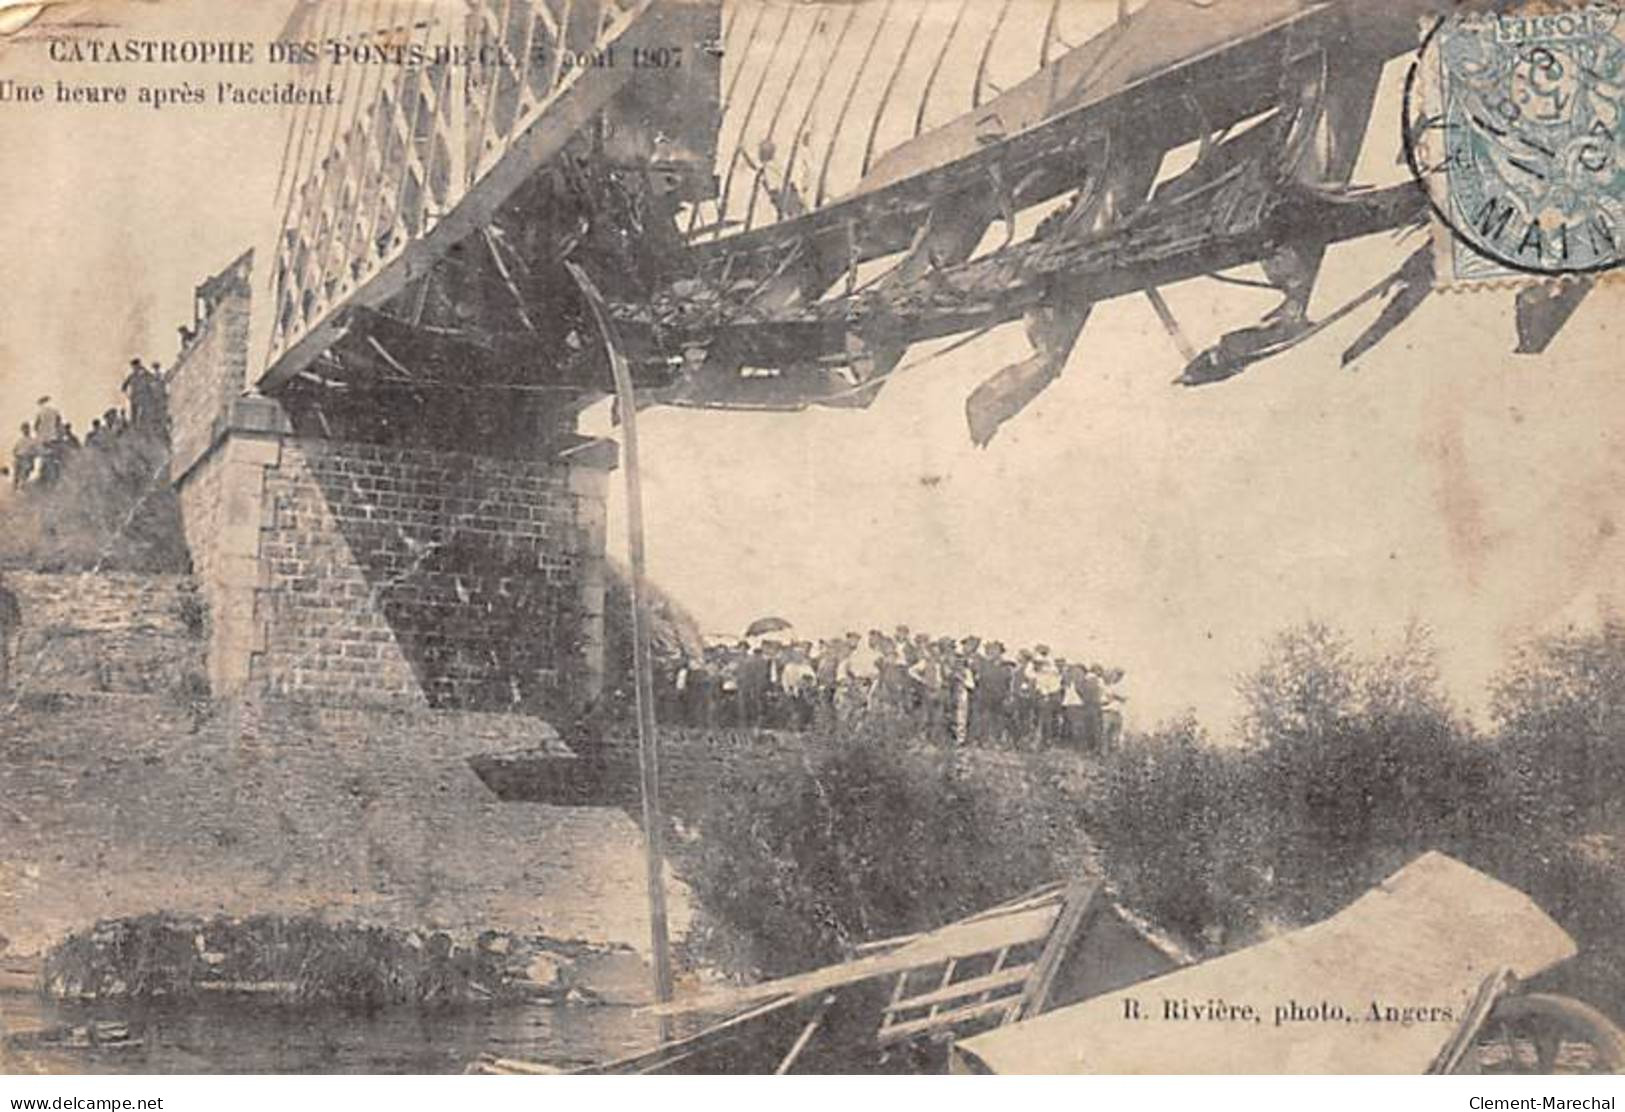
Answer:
(425, 116)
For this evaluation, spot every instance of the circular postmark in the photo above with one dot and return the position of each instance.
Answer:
(1515, 126)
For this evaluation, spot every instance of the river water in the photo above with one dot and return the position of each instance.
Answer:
(252, 1036)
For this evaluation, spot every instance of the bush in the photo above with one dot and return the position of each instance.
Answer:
(873, 837)
(1559, 710)
(1361, 765)
(1559, 714)
(1348, 768)
(111, 510)
(1177, 823)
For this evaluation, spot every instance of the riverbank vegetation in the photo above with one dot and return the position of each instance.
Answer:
(871, 837)
(1344, 767)
(303, 960)
(1349, 766)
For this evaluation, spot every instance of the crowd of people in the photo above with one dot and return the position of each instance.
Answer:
(46, 443)
(964, 692)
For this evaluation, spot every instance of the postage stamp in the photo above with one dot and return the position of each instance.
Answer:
(1514, 128)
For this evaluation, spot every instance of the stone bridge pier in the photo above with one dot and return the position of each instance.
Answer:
(395, 542)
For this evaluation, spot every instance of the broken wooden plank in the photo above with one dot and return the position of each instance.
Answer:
(957, 939)
(665, 1055)
(1432, 931)
(958, 990)
(1472, 1022)
(806, 1035)
(899, 1032)
(1076, 909)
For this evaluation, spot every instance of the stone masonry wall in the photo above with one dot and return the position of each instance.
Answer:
(201, 520)
(220, 496)
(407, 577)
(102, 632)
(345, 563)
(202, 383)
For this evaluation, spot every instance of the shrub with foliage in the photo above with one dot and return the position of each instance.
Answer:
(872, 837)
(1177, 824)
(1362, 765)
(1347, 768)
(1559, 716)
(1559, 711)
(1350, 766)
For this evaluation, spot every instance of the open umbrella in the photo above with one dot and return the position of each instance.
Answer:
(762, 626)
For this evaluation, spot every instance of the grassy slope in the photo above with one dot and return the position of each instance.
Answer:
(112, 510)
(113, 806)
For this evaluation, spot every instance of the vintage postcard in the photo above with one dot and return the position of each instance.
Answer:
(833, 536)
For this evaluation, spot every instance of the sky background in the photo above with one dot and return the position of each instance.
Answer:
(1442, 480)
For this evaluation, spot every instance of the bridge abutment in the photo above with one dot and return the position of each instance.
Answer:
(385, 545)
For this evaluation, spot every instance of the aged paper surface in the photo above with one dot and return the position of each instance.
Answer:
(1076, 535)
